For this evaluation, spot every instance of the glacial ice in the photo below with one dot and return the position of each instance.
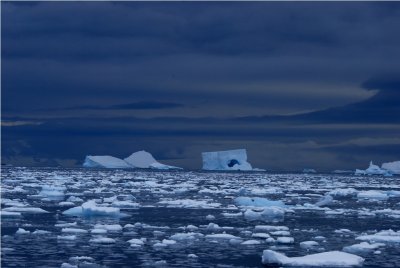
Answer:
(226, 160)
(140, 159)
(104, 161)
(143, 159)
(330, 258)
(392, 167)
(372, 170)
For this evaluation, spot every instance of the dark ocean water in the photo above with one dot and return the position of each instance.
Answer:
(167, 203)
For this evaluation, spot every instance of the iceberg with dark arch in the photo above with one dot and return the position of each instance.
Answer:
(140, 159)
(226, 160)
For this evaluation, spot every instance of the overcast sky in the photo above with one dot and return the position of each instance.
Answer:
(299, 84)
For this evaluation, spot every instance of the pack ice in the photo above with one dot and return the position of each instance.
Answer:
(140, 159)
(226, 160)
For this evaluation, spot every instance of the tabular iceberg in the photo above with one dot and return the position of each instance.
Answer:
(226, 160)
(104, 161)
(392, 167)
(143, 159)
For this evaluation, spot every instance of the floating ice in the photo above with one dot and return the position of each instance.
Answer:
(308, 244)
(22, 231)
(90, 209)
(343, 192)
(330, 258)
(104, 161)
(221, 236)
(226, 160)
(386, 236)
(136, 242)
(392, 167)
(257, 202)
(102, 240)
(372, 170)
(363, 247)
(25, 210)
(189, 203)
(372, 194)
(324, 201)
(285, 240)
(74, 230)
(269, 214)
(143, 159)
(186, 236)
(251, 242)
(270, 228)
(53, 191)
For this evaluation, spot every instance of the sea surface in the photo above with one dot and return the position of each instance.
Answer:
(176, 215)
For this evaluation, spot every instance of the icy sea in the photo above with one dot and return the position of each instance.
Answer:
(115, 218)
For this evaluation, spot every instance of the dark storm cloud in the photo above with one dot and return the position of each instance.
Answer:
(142, 105)
(286, 80)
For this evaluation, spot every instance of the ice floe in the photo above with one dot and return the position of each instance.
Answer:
(325, 259)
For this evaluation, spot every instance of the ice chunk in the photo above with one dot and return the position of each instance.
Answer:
(285, 240)
(53, 191)
(309, 170)
(257, 202)
(387, 236)
(25, 210)
(392, 167)
(324, 201)
(104, 161)
(222, 236)
(74, 230)
(343, 192)
(90, 209)
(372, 194)
(102, 240)
(330, 258)
(308, 244)
(136, 242)
(226, 160)
(186, 236)
(251, 242)
(22, 231)
(269, 214)
(363, 247)
(143, 159)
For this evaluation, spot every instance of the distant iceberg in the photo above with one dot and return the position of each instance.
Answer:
(392, 167)
(140, 159)
(226, 160)
(373, 170)
(143, 159)
(104, 161)
(309, 170)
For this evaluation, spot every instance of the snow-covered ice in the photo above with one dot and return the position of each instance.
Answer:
(226, 160)
(325, 259)
(104, 161)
